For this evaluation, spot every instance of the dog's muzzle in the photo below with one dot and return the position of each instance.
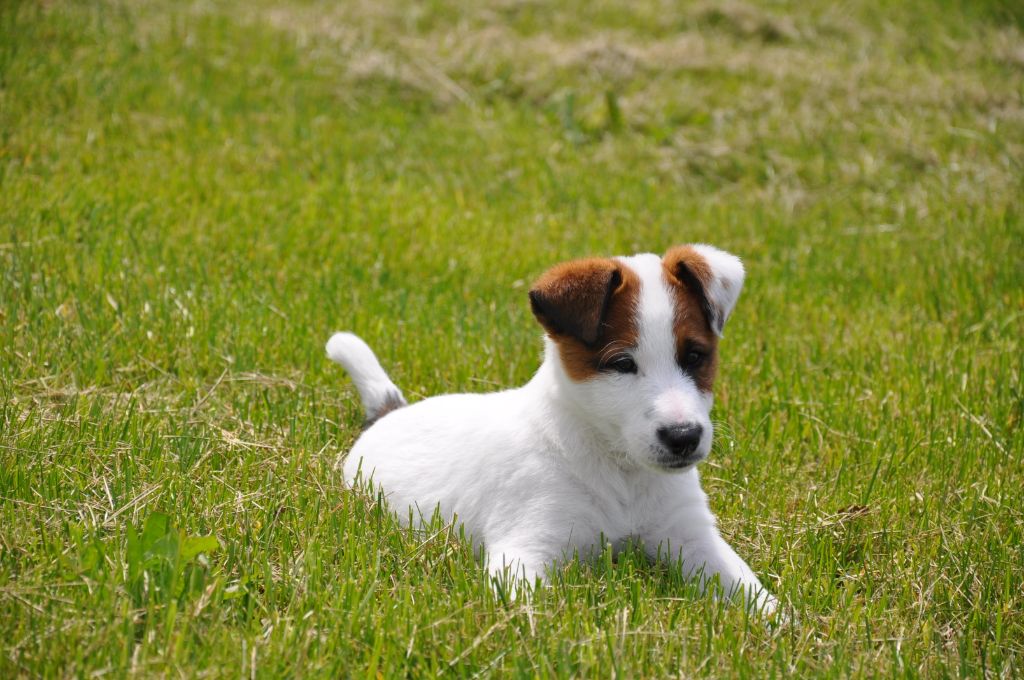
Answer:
(682, 442)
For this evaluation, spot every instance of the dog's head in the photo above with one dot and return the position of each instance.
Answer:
(635, 340)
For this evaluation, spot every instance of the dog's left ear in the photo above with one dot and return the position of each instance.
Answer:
(715, 276)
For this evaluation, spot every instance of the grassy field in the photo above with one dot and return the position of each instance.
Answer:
(194, 195)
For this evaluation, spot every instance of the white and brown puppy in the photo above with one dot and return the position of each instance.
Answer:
(603, 442)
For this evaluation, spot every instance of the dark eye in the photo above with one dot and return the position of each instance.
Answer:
(622, 364)
(693, 358)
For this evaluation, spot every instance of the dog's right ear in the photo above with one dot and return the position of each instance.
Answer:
(572, 298)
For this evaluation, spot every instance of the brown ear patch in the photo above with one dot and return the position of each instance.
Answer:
(688, 267)
(588, 307)
(572, 299)
(689, 275)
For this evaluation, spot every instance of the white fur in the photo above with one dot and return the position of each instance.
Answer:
(725, 287)
(542, 472)
(374, 386)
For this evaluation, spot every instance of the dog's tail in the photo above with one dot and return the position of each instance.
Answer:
(380, 396)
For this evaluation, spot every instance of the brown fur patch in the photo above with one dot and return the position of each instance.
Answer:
(392, 402)
(588, 307)
(688, 275)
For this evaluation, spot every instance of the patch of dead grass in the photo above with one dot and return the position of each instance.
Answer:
(747, 21)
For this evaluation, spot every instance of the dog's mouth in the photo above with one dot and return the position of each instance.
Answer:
(679, 463)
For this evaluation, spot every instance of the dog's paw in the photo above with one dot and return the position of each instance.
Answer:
(512, 590)
(766, 604)
(774, 615)
(767, 607)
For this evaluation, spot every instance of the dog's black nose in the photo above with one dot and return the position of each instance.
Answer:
(681, 439)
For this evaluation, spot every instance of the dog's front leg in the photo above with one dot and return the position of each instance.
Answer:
(705, 554)
(513, 569)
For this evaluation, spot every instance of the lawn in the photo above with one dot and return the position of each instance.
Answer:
(193, 195)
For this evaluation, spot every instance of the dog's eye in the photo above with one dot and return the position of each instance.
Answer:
(622, 364)
(693, 359)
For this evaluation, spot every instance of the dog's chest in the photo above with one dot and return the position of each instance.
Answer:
(631, 508)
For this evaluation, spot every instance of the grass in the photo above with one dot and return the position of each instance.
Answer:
(193, 195)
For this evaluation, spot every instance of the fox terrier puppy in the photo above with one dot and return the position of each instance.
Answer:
(602, 444)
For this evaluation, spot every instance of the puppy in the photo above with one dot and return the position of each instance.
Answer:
(602, 444)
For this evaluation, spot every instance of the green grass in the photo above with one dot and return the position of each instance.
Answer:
(194, 195)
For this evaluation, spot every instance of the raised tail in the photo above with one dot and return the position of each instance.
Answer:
(380, 396)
